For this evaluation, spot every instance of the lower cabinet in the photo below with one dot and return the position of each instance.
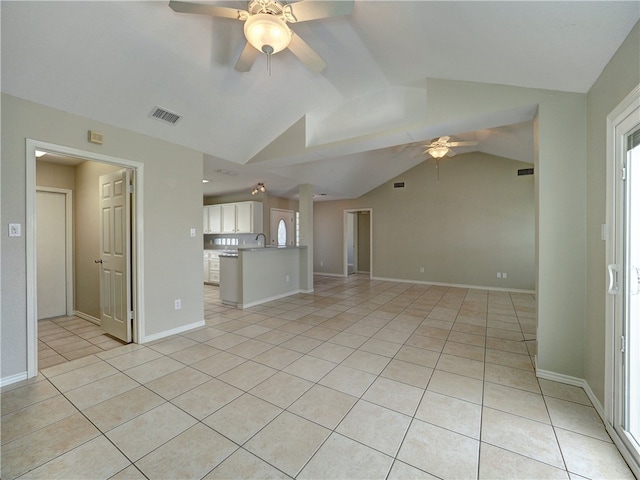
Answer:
(211, 267)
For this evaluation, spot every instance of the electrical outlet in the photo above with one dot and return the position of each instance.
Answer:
(421, 269)
(286, 278)
(178, 304)
(504, 274)
(499, 274)
(321, 263)
(193, 232)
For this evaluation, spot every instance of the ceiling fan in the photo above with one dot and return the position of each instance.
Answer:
(442, 146)
(266, 29)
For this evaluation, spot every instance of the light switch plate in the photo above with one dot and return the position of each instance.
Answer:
(15, 230)
(193, 232)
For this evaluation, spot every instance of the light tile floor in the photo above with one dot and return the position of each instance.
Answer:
(68, 338)
(362, 379)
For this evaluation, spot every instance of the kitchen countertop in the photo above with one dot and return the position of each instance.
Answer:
(271, 247)
(233, 253)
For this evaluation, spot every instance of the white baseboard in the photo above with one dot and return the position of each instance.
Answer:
(87, 317)
(580, 382)
(576, 382)
(173, 331)
(324, 274)
(271, 299)
(18, 377)
(453, 285)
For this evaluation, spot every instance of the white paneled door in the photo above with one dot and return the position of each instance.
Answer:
(282, 227)
(115, 252)
(51, 254)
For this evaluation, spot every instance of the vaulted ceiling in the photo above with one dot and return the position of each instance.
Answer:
(115, 61)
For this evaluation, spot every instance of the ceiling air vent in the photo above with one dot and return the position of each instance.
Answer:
(398, 184)
(165, 115)
(525, 171)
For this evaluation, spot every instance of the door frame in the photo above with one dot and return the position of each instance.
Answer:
(68, 244)
(137, 232)
(345, 240)
(613, 320)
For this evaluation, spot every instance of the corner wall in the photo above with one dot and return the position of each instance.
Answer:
(617, 80)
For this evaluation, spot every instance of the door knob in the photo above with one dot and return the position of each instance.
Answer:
(97, 261)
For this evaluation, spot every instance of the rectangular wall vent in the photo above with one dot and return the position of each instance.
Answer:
(398, 184)
(525, 171)
(165, 115)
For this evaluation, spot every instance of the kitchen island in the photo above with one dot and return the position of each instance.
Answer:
(252, 276)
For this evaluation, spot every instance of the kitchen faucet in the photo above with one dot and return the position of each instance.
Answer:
(265, 238)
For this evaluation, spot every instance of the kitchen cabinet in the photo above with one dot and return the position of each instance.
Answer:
(241, 217)
(228, 218)
(211, 267)
(211, 219)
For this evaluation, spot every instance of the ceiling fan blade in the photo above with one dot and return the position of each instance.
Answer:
(451, 153)
(443, 140)
(304, 11)
(462, 144)
(305, 54)
(211, 10)
(247, 57)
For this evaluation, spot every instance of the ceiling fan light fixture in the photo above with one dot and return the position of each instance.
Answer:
(438, 152)
(267, 33)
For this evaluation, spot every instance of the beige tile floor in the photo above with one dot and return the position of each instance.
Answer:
(68, 338)
(362, 379)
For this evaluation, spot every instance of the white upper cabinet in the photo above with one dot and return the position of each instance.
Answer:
(228, 218)
(211, 219)
(215, 218)
(241, 217)
(244, 217)
(205, 219)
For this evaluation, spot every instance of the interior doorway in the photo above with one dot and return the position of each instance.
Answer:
(358, 242)
(135, 242)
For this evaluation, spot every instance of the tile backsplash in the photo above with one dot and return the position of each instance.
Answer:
(213, 241)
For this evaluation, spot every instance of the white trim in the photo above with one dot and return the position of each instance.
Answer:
(68, 243)
(173, 331)
(271, 299)
(329, 274)
(138, 238)
(454, 285)
(622, 111)
(576, 382)
(612, 376)
(613, 433)
(11, 379)
(345, 239)
(87, 317)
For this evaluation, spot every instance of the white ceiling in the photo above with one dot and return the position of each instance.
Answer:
(114, 61)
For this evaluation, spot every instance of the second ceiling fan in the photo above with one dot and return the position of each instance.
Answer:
(266, 26)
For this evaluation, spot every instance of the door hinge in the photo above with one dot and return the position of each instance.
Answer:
(623, 173)
(130, 315)
(130, 189)
(622, 344)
